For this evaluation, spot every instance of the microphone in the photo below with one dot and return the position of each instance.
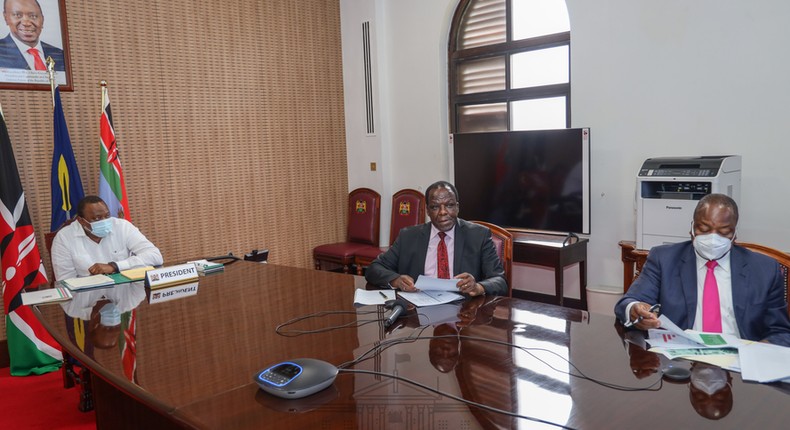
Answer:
(398, 307)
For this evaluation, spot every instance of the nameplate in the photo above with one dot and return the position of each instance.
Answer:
(172, 275)
(172, 293)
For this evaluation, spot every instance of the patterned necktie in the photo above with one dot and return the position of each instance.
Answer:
(442, 262)
(711, 308)
(38, 64)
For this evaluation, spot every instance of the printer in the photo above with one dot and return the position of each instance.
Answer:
(667, 191)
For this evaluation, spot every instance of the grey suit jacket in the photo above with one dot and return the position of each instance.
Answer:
(474, 253)
(669, 277)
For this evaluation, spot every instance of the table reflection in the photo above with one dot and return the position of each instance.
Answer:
(710, 387)
(106, 318)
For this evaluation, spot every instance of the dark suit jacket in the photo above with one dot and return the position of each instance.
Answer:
(669, 277)
(11, 58)
(474, 253)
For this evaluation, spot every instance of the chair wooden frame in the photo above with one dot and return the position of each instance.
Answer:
(507, 251)
(782, 258)
(347, 260)
(362, 261)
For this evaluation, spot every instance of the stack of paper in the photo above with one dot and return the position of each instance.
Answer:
(372, 297)
(712, 348)
(87, 282)
(50, 295)
(433, 291)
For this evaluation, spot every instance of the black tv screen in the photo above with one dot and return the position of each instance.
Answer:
(530, 180)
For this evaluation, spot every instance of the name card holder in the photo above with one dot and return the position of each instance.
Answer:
(172, 275)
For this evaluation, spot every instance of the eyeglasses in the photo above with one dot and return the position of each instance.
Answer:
(450, 207)
(33, 16)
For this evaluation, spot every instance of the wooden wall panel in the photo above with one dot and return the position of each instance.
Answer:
(228, 116)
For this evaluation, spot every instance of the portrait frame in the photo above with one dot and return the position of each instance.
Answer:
(15, 75)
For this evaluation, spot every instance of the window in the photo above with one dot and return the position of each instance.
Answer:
(509, 65)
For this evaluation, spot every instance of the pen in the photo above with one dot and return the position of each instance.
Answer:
(653, 309)
(383, 295)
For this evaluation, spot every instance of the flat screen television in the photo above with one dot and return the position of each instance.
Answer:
(525, 180)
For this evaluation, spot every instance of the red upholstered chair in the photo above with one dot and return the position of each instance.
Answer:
(503, 241)
(408, 209)
(364, 206)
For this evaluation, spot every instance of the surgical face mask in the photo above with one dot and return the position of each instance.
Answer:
(101, 228)
(712, 246)
(708, 379)
(110, 315)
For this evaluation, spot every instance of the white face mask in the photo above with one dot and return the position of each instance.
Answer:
(712, 246)
(708, 379)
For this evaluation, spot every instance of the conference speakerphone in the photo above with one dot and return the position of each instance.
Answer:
(296, 378)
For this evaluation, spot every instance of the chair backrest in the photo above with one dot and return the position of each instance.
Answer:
(503, 242)
(781, 257)
(408, 209)
(364, 206)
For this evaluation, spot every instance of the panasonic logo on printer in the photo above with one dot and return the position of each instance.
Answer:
(674, 207)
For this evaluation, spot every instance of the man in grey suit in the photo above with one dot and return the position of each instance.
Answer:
(468, 250)
(22, 48)
(748, 286)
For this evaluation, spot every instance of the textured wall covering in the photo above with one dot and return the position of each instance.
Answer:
(228, 115)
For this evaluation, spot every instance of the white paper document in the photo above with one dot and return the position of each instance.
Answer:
(49, 295)
(436, 284)
(763, 362)
(710, 340)
(430, 298)
(372, 297)
(88, 282)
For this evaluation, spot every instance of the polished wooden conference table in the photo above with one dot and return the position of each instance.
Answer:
(196, 357)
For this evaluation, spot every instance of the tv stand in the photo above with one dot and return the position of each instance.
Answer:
(556, 252)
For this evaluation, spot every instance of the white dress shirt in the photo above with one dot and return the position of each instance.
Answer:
(431, 265)
(73, 252)
(724, 282)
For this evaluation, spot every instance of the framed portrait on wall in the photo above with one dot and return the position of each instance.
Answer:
(30, 32)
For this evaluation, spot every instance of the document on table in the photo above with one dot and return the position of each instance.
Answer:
(88, 282)
(372, 297)
(763, 362)
(49, 295)
(430, 298)
(436, 284)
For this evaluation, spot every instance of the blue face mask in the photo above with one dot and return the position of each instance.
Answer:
(101, 228)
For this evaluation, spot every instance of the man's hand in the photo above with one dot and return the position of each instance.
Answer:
(403, 283)
(467, 285)
(646, 320)
(101, 269)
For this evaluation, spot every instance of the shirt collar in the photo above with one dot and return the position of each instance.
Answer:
(724, 262)
(450, 233)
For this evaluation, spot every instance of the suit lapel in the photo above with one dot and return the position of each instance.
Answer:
(458, 246)
(688, 282)
(422, 248)
(739, 276)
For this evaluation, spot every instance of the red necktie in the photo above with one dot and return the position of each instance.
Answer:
(38, 64)
(711, 308)
(442, 262)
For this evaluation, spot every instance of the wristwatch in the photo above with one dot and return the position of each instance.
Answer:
(114, 266)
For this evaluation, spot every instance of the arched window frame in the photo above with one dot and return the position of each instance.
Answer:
(508, 48)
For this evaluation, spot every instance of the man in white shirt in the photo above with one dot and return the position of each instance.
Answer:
(97, 243)
(746, 288)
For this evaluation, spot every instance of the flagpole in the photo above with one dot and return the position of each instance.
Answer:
(51, 73)
(103, 85)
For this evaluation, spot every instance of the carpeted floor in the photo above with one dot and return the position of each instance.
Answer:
(40, 402)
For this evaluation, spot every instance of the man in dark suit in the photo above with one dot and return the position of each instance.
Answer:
(747, 286)
(468, 250)
(22, 48)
